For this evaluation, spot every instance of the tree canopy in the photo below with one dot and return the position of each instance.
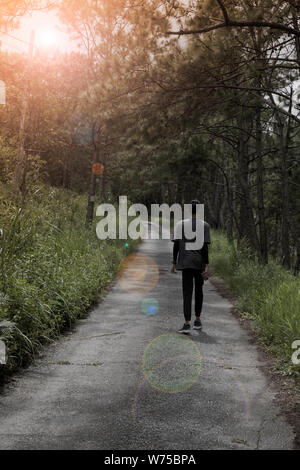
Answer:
(190, 98)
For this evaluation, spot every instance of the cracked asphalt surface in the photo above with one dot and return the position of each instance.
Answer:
(126, 380)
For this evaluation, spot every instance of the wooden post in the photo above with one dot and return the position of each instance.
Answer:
(92, 193)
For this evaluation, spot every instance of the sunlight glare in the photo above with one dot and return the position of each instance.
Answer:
(49, 38)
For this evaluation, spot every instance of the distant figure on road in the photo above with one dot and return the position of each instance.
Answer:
(194, 266)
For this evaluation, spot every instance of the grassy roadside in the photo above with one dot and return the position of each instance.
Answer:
(52, 269)
(268, 295)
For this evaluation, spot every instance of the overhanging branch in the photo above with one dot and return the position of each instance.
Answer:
(237, 24)
(228, 23)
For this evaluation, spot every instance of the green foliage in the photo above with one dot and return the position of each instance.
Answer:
(52, 269)
(267, 294)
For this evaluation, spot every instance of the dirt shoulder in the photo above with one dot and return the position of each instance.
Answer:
(286, 388)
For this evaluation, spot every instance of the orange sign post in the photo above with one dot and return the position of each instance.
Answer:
(98, 169)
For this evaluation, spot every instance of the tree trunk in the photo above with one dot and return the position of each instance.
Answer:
(260, 190)
(285, 239)
(92, 192)
(22, 158)
(297, 264)
(247, 227)
(104, 177)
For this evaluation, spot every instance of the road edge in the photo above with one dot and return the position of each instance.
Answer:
(287, 396)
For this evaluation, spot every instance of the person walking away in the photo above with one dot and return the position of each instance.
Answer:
(194, 266)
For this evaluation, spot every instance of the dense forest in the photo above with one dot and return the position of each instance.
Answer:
(177, 100)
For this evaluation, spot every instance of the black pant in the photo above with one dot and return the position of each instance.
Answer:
(188, 276)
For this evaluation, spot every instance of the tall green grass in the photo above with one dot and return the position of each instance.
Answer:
(267, 294)
(52, 268)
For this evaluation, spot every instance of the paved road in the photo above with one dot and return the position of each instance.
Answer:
(125, 380)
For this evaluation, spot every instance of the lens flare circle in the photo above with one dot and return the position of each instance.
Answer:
(150, 307)
(138, 274)
(172, 363)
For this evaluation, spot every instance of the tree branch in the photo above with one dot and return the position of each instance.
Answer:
(224, 11)
(237, 24)
(228, 23)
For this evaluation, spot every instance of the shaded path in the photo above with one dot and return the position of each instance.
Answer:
(89, 391)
